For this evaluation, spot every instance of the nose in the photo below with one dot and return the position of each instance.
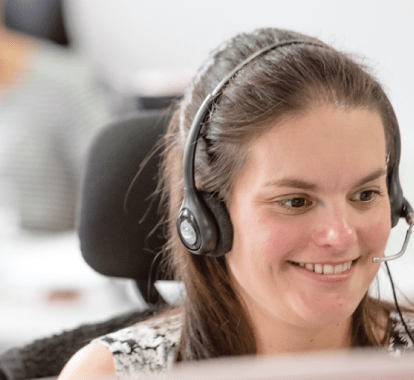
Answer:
(334, 229)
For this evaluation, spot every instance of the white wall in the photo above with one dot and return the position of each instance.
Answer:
(134, 35)
(130, 39)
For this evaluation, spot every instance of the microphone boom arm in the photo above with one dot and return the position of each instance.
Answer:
(410, 220)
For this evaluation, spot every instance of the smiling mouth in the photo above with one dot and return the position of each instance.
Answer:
(325, 268)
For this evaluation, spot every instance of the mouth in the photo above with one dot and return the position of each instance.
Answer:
(325, 269)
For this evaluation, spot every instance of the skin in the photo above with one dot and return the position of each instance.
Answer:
(314, 191)
(94, 361)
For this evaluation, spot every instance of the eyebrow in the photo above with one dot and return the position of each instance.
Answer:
(304, 185)
(371, 177)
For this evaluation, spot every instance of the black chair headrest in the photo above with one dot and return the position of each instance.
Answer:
(115, 232)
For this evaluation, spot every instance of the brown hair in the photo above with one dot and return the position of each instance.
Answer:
(283, 82)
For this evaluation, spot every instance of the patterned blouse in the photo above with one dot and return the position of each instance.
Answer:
(149, 347)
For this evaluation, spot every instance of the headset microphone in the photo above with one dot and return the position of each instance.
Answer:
(408, 214)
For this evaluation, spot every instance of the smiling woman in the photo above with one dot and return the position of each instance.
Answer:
(294, 149)
(303, 237)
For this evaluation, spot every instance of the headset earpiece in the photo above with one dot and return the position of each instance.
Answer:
(225, 227)
(196, 226)
(396, 198)
(400, 208)
(201, 216)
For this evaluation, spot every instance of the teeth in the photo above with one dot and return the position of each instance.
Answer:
(326, 269)
(318, 268)
(340, 268)
(329, 269)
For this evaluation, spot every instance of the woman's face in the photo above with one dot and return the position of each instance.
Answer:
(311, 198)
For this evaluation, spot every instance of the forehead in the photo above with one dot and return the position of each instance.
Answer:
(326, 144)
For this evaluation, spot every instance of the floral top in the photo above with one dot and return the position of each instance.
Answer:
(145, 348)
(149, 347)
(400, 341)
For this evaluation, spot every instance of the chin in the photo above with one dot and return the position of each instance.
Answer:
(324, 316)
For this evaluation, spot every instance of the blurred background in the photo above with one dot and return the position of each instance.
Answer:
(70, 67)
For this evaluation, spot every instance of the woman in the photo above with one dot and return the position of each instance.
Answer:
(299, 145)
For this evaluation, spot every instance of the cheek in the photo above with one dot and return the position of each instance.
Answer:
(375, 233)
(280, 239)
(262, 244)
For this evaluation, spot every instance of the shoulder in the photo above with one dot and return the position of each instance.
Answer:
(148, 346)
(402, 332)
(144, 334)
(93, 361)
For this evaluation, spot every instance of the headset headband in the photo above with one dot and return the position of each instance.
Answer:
(203, 223)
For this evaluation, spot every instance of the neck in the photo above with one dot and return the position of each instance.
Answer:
(278, 336)
(285, 338)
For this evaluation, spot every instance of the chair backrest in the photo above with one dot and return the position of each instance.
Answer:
(117, 231)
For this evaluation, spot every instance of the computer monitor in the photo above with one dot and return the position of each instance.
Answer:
(361, 364)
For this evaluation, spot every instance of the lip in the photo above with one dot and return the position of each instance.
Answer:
(326, 278)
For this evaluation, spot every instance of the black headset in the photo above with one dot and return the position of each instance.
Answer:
(204, 224)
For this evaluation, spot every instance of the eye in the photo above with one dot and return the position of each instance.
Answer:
(294, 205)
(294, 202)
(366, 196)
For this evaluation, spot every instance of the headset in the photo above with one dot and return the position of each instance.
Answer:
(203, 222)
